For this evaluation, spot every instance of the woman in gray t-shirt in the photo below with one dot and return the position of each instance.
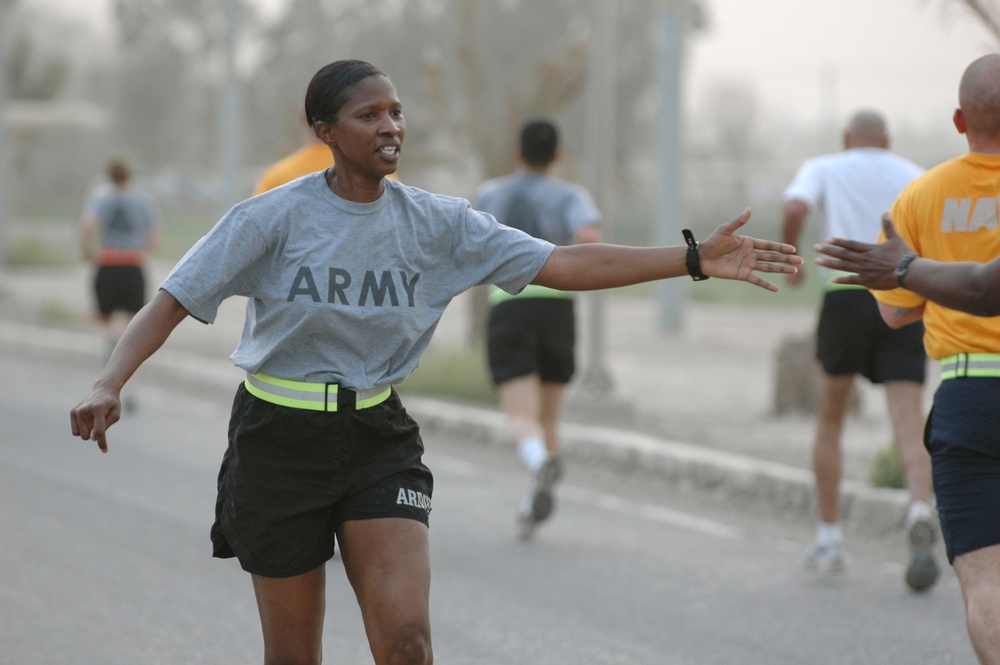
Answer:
(346, 274)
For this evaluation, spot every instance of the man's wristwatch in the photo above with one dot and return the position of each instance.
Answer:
(903, 266)
(692, 260)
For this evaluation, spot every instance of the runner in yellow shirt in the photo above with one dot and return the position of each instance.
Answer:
(950, 214)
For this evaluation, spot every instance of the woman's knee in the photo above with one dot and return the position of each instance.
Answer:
(410, 645)
(299, 658)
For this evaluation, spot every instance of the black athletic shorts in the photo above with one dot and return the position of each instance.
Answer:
(963, 438)
(852, 338)
(119, 288)
(532, 336)
(291, 477)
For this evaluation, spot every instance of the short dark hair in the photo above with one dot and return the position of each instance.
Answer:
(118, 171)
(539, 141)
(331, 87)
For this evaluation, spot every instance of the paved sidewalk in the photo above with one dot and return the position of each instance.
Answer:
(694, 406)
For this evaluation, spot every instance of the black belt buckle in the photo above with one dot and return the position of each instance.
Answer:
(962, 365)
(345, 398)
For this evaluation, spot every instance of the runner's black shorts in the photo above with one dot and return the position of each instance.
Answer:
(852, 338)
(963, 438)
(119, 288)
(532, 336)
(291, 477)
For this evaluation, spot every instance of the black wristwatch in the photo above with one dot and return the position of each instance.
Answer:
(903, 266)
(691, 259)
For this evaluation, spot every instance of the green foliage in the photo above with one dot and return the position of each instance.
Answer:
(179, 231)
(32, 251)
(55, 313)
(887, 468)
(455, 374)
(46, 209)
(31, 78)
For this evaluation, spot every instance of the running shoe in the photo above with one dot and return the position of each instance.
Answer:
(826, 558)
(922, 572)
(539, 502)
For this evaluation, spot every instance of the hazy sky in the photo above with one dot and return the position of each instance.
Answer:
(822, 59)
(816, 60)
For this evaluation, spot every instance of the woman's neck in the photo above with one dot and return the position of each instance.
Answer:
(359, 190)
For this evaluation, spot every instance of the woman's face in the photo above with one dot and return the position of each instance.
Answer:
(369, 132)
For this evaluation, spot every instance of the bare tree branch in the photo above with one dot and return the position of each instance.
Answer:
(987, 12)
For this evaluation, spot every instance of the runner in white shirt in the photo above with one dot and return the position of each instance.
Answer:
(852, 189)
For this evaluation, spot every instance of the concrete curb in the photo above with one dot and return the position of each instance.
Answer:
(773, 486)
(777, 487)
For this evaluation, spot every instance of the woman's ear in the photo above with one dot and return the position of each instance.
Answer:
(324, 132)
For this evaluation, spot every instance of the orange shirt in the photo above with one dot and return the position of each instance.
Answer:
(951, 214)
(307, 159)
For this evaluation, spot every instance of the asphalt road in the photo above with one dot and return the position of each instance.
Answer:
(106, 559)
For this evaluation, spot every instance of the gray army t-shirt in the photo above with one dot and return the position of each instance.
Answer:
(347, 292)
(544, 207)
(125, 218)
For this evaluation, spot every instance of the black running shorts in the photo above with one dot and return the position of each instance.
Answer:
(963, 438)
(532, 336)
(852, 338)
(290, 477)
(119, 288)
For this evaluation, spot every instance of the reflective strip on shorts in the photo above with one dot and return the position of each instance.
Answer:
(963, 365)
(309, 396)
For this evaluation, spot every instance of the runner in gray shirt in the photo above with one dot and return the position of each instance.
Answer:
(346, 275)
(119, 226)
(531, 336)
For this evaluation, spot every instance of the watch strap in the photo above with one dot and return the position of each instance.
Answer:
(903, 266)
(692, 259)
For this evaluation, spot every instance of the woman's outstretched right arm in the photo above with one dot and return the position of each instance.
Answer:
(91, 418)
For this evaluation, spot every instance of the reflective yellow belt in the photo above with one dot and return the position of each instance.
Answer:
(831, 285)
(962, 365)
(312, 396)
(498, 295)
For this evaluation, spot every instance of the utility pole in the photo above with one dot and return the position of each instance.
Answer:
(829, 107)
(601, 130)
(4, 134)
(229, 115)
(671, 291)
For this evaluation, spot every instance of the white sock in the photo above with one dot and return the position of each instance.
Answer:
(918, 510)
(828, 533)
(532, 452)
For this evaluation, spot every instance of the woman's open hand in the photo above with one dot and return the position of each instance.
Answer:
(729, 256)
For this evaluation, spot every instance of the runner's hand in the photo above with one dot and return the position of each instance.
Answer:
(92, 417)
(872, 265)
(729, 256)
